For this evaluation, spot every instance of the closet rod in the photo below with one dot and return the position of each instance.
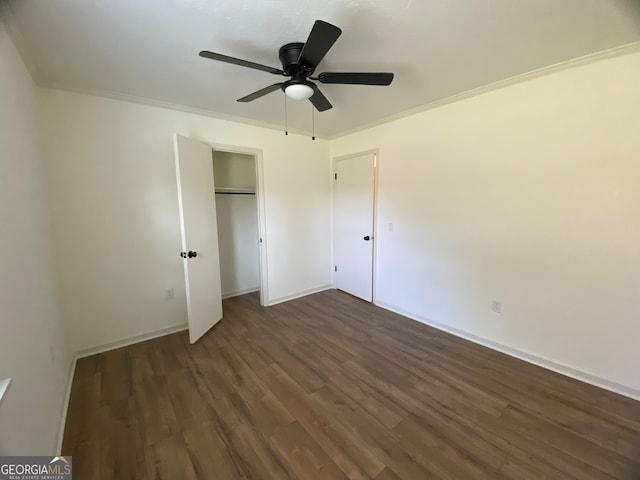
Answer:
(235, 193)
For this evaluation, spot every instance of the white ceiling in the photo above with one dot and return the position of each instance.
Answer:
(437, 48)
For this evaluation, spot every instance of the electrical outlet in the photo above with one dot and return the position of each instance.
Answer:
(496, 306)
(169, 294)
(391, 227)
(52, 353)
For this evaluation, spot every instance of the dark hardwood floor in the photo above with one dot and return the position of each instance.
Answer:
(329, 387)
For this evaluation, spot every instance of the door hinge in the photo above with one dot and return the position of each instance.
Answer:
(335, 176)
(335, 269)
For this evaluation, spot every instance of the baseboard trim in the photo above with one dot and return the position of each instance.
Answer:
(522, 355)
(105, 347)
(65, 406)
(241, 292)
(298, 295)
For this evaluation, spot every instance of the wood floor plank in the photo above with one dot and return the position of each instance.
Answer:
(330, 387)
(154, 410)
(116, 376)
(83, 433)
(211, 456)
(339, 443)
(122, 454)
(372, 434)
(387, 474)
(261, 405)
(84, 402)
(571, 443)
(169, 459)
(305, 458)
(446, 458)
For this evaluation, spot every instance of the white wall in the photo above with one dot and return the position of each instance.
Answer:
(237, 217)
(115, 214)
(234, 170)
(30, 324)
(528, 195)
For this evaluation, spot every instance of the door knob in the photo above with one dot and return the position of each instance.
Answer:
(367, 238)
(192, 254)
(183, 254)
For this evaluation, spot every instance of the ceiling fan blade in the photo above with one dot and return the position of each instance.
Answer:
(238, 61)
(322, 37)
(260, 93)
(320, 101)
(356, 78)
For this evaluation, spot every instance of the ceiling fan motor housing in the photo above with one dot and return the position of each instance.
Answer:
(289, 55)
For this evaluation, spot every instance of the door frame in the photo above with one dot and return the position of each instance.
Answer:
(374, 228)
(262, 223)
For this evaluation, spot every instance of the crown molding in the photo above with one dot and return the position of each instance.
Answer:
(622, 50)
(151, 102)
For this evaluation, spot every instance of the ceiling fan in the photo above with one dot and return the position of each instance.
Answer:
(299, 61)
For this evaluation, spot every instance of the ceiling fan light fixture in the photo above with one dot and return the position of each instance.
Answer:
(299, 62)
(298, 91)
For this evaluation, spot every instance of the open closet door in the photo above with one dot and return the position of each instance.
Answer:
(199, 230)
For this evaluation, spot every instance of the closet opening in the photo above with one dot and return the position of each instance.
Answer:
(237, 180)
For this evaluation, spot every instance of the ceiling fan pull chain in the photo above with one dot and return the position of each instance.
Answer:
(313, 124)
(286, 128)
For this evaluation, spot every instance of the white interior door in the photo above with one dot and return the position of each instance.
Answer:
(353, 210)
(197, 205)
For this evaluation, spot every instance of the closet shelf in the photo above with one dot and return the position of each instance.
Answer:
(236, 190)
